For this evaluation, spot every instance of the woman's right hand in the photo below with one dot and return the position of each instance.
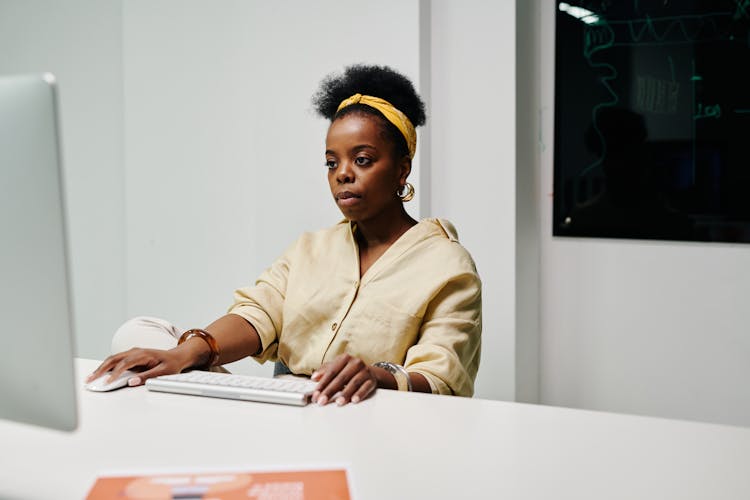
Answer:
(149, 362)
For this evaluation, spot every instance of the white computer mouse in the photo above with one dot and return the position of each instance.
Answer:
(100, 384)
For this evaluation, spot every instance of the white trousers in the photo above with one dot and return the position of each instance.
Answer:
(146, 332)
(149, 333)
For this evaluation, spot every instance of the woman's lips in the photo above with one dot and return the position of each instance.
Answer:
(347, 198)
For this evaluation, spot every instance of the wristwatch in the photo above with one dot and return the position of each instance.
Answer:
(403, 382)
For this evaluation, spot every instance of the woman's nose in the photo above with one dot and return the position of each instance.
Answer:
(345, 172)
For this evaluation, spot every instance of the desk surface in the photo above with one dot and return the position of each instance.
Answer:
(395, 445)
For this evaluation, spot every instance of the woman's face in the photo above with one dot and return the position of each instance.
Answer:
(363, 174)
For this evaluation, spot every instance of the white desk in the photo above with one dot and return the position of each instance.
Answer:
(396, 445)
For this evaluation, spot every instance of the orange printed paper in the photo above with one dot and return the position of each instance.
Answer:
(292, 485)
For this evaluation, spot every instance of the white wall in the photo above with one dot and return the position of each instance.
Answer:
(80, 42)
(527, 193)
(642, 327)
(473, 162)
(224, 155)
(194, 157)
(653, 328)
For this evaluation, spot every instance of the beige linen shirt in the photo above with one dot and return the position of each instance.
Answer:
(418, 305)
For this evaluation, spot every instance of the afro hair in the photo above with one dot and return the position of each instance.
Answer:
(377, 81)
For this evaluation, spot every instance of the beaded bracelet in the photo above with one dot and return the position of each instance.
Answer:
(197, 332)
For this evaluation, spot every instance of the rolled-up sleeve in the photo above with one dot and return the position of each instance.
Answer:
(262, 305)
(448, 349)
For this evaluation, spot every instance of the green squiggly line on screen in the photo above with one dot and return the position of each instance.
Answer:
(601, 36)
(648, 26)
(604, 32)
(741, 11)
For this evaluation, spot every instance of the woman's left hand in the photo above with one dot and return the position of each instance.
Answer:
(344, 379)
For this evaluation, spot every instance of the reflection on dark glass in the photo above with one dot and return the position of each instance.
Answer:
(652, 120)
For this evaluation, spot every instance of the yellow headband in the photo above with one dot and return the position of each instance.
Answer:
(391, 113)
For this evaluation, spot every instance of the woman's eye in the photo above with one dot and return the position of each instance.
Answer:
(362, 160)
(330, 164)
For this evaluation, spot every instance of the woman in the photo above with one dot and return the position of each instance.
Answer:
(379, 300)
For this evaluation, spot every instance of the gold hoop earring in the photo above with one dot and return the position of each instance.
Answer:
(409, 192)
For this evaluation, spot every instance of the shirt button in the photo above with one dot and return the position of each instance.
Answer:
(356, 284)
(333, 326)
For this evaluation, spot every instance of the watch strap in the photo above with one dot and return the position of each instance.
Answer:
(403, 381)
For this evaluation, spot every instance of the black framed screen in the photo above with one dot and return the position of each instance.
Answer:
(652, 119)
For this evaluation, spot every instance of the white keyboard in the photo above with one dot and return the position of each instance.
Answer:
(225, 385)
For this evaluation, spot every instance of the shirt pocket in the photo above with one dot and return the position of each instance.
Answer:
(309, 311)
(378, 330)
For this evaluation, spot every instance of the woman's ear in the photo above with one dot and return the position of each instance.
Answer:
(404, 170)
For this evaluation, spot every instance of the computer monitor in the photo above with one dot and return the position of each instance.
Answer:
(37, 379)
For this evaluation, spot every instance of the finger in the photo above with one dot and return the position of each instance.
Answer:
(325, 374)
(135, 359)
(333, 387)
(329, 370)
(364, 391)
(318, 374)
(342, 378)
(315, 377)
(353, 385)
(156, 371)
(105, 366)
